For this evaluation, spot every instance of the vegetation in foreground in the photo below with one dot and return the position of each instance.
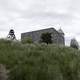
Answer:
(39, 61)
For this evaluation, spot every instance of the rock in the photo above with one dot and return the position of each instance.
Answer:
(3, 72)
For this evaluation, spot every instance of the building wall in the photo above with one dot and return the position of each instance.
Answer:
(36, 35)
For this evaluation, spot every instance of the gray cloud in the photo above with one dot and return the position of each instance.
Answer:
(26, 15)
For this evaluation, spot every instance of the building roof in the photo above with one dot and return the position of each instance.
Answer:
(31, 32)
(40, 30)
(60, 31)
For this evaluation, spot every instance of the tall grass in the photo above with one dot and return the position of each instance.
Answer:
(39, 61)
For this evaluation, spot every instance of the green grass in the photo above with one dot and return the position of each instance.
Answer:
(39, 61)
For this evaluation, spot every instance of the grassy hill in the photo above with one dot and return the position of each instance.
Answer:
(39, 61)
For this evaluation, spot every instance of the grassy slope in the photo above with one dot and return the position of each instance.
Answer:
(39, 61)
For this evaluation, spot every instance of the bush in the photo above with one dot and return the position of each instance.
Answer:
(27, 40)
(74, 43)
(40, 61)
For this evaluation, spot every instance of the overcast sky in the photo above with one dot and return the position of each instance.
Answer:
(29, 15)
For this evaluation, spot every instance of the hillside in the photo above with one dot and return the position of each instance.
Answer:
(39, 61)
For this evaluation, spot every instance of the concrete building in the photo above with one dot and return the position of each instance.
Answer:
(57, 36)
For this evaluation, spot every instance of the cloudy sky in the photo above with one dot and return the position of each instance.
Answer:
(29, 15)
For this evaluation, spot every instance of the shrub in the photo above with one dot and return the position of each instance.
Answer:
(40, 61)
(74, 43)
(27, 40)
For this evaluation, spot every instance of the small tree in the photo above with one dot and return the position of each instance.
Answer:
(46, 37)
(74, 43)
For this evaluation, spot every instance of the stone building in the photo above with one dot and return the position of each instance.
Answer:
(57, 36)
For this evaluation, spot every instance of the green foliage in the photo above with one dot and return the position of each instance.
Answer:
(27, 40)
(46, 37)
(40, 61)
